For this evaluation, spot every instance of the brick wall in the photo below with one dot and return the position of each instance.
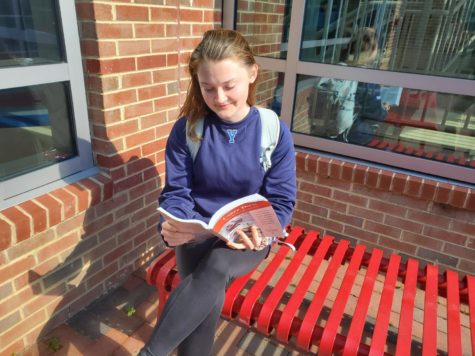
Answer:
(62, 250)
(429, 220)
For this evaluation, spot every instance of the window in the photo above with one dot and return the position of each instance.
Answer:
(44, 134)
(390, 82)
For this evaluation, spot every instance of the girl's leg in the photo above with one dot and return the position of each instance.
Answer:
(199, 299)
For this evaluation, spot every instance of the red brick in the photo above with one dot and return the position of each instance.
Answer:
(136, 79)
(164, 45)
(404, 223)
(445, 235)
(347, 171)
(365, 213)
(164, 14)
(22, 328)
(152, 92)
(421, 240)
(428, 219)
(81, 194)
(443, 192)
(428, 189)
(460, 251)
(107, 186)
(149, 31)
(362, 234)
(360, 174)
(16, 268)
(127, 183)
(470, 203)
(372, 176)
(113, 31)
(67, 200)
(21, 221)
(191, 15)
(300, 159)
(323, 164)
(399, 183)
(132, 13)
(312, 209)
(382, 229)
(350, 198)
(137, 110)
(93, 188)
(37, 213)
(327, 224)
(119, 98)
(5, 235)
(152, 61)
(94, 11)
(346, 219)
(335, 169)
(413, 186)
(387, 208)
(110, 66)
(53, 207)
(385, 180)
(397, 245)
(134, 47)
(166, 102)
(459, 196)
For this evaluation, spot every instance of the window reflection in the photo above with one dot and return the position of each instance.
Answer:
(425, 124)
(269, 90)
(35, 130)
(29, 32)
(428, 37)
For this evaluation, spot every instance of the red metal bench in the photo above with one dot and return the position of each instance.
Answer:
(325, 294)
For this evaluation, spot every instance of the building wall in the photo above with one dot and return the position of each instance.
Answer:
(430, 220)
(62, 250)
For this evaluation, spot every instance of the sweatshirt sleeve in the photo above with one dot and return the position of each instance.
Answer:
(176, 195)
(279, 185)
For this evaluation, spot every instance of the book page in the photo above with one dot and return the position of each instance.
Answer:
(259, 213)
(197, 227)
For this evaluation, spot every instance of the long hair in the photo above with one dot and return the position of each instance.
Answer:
(216, 45)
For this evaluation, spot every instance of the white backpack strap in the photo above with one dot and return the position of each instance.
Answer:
(270, 136)
(194, 146)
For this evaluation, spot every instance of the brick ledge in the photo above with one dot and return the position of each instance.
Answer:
(22, 221)
(404, 184)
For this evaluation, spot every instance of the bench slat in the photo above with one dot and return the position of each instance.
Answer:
(305, 335)
(384, 311)
(272, 301)
(232, 294)
(359, 317)
(471, 306)
(404, 338)
(454, 337)
(334, 320)
(429, 336)
(284, 328)
(246, 314)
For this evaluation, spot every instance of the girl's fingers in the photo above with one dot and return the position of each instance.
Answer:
(246, 240)
(256, 239)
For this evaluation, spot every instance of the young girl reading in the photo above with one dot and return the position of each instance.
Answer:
(226, 167)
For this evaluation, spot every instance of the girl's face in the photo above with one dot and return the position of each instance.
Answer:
(225, 87)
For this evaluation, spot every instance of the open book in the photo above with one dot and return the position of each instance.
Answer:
(239, 214)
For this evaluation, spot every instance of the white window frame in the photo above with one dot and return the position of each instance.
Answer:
(292, 66)
(26, 186)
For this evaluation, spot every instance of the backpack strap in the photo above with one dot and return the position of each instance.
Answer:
(269, 136)
(270, 127)
(194, 146)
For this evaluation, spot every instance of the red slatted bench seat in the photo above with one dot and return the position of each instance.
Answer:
(334, 298)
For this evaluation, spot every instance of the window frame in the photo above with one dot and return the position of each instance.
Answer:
(31, 184)
(292, 66)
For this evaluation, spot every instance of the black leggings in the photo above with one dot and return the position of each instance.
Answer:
(191, 314)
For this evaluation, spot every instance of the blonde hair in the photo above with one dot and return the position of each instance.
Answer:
(363, 46)
(216, 45)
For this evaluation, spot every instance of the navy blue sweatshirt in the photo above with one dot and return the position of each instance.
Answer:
(226, 168)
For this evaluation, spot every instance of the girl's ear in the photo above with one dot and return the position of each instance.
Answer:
(253, 73)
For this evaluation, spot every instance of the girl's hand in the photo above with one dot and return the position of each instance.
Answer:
(173, 236)
(254, 242)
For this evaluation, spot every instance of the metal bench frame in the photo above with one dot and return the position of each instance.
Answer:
(250, 309)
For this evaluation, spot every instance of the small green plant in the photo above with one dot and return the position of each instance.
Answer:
(130, 310)
(53, 344)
